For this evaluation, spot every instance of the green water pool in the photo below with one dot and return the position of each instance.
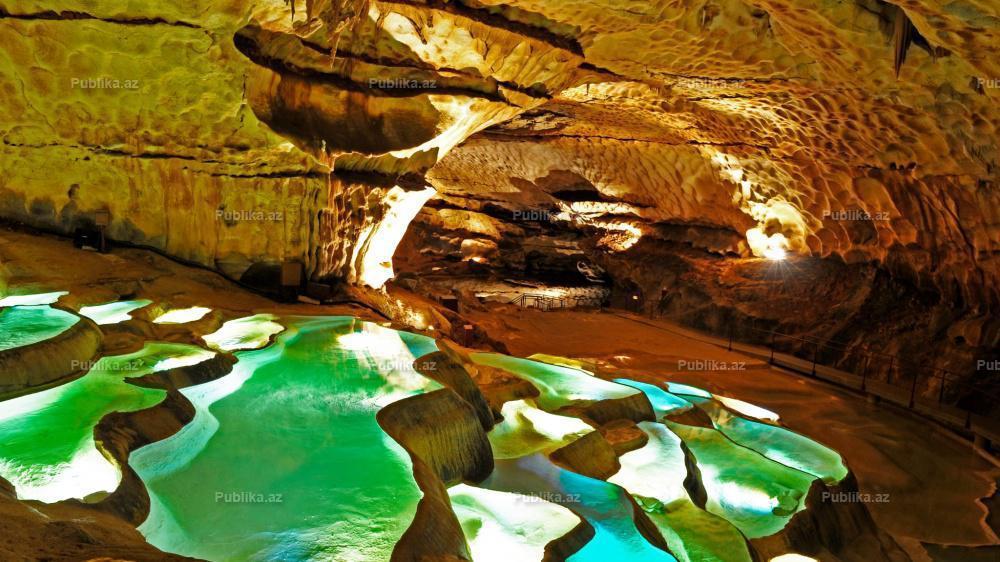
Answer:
(655, 474)
(526, 429)
(284, 459)
(604, 505)
(779, 444)
(520, 444)
(559, 386)
(25, 325)
(113, 312)
(752, 492)
(47, 447)
(501, 527)
(664, 403)
(249, 332)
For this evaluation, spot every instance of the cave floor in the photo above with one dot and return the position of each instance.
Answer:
(916, 484)
(921, 483)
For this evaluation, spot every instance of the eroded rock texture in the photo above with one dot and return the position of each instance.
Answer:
(541, 133)
(227, 133)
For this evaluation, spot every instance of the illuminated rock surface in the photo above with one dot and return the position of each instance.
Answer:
(244, 135)
(336, 486)
(47, 447)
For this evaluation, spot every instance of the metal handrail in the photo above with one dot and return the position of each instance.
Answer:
(545, 302)
(866, 354)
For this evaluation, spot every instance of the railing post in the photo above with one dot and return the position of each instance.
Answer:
(730, 337)
(815, 353)
(913, 390)
(864, 373)
(892, 363)
(944, 381)
(771, 360)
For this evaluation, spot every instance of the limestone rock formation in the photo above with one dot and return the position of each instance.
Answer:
(534, 138)
(51, 360)
(778, 117)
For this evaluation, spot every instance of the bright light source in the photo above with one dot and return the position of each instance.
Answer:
(773, 247)
(775, 253)
(792, 557)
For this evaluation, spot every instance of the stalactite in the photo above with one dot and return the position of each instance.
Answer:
(903, 36)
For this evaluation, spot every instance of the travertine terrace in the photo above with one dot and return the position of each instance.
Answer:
(749, 205)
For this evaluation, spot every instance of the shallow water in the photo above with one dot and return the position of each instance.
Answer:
(559, 386)
(655, 474)
(781, 445)
(752, 492)
(501, 527)
(182, 315)
(664, 403)
(113, 312)
(604, 505)
(47, 447)
(25, 325)
(526, 429)
(285, 459)
(249, 332)
(32, 299)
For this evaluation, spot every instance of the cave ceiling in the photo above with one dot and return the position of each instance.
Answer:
(769, 119)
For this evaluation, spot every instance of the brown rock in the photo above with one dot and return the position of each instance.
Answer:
(590, 455)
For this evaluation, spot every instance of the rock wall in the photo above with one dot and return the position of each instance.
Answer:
(210, 132)
(243, 135)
